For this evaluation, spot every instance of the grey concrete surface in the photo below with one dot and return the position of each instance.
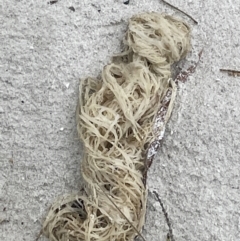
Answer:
(45, 49)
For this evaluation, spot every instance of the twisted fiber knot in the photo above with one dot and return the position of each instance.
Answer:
(116, 115)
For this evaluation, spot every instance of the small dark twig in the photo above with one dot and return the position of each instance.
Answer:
(231, 71)
(170, 234)
(195, 21)
(52, 2)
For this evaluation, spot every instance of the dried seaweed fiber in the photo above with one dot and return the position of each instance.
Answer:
(116, 116)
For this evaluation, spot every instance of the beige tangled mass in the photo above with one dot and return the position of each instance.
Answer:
(116, 115)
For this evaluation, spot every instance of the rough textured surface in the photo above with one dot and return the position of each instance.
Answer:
(46, 48)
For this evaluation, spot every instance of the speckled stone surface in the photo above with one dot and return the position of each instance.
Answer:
(45, 49)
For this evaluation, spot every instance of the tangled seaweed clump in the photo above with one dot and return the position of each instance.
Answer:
(116, 115)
